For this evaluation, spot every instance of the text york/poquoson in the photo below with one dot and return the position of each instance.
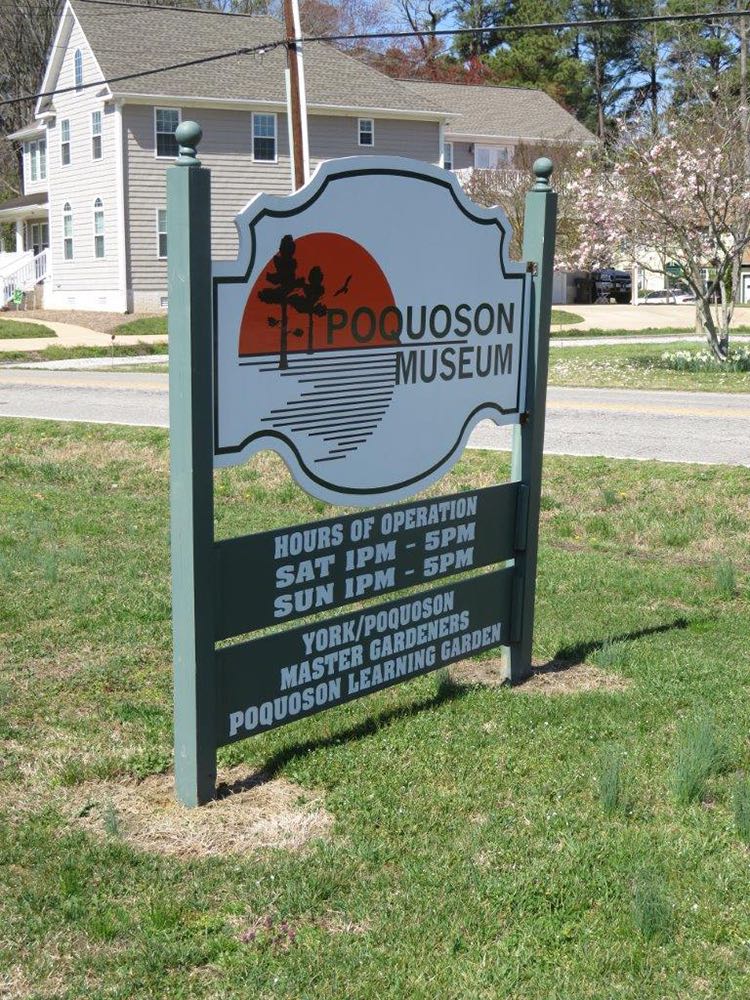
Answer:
(367, 651)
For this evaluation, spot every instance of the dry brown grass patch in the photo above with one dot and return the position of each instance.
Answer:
(559, 677)
(555, 677)
(252, 814)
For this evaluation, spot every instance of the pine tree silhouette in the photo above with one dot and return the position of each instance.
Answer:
(283, 282)
(308, 303)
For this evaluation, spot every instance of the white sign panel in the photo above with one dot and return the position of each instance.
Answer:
(371, 320)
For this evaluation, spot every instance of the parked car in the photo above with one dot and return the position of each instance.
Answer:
(666, 296)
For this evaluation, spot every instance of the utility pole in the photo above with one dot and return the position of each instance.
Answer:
(296, 99)
(744, 96)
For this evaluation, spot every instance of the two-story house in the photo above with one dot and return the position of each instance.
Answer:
(91, 223)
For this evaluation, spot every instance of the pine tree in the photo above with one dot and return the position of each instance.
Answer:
(308, 303)
(284, 282)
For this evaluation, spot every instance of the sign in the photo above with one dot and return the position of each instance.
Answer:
(314, 567)
(268, 682)
(370, 321)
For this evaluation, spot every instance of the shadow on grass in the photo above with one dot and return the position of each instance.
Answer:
(573, 656)
(448, 690)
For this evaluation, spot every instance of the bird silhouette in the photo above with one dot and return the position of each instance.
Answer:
(344, 288)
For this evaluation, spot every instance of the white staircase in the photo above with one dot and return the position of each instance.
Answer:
(23, 276)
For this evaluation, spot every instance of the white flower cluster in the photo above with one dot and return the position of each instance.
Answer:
(738, 360)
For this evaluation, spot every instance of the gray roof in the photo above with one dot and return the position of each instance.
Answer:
(502, 112)
(128, 40)
(25, 201)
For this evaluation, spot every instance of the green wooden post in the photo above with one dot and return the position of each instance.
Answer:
(191, 480)
(528, 438)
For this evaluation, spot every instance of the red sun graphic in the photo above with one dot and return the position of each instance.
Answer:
(320, 292)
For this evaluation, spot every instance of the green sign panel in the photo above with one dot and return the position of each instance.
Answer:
(268, 682)
(337, 340)
(315, 567)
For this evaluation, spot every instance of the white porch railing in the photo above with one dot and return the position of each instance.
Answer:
(10, 262)
(25, 276)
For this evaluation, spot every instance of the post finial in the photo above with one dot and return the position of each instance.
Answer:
(188, 135)
(543, 168)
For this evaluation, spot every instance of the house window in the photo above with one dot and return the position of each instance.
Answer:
(98, 228)
(96, 135)
(42, 159)
(65, 141)
(161, 233)
(366, 128)
(34, 160)
(448, 155)
(492, 157)
(166, 121)
(37, 237)
(78, 64)
(67, 232)
(264, 137)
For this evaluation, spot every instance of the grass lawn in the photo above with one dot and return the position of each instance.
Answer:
(648, 331)
(482, 842)
(635, 366)
(13, 330)
(146, 326)
(560, 317)
(59, 353)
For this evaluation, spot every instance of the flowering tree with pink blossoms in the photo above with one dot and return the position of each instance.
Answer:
(682, 196)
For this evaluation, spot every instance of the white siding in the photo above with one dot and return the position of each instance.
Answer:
(226, 149)
(84, 282)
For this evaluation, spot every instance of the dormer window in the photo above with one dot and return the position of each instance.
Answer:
(78, 68)
(37, 152)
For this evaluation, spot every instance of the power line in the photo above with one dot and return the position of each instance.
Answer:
(360, 36)
(538, 26)
(363, 36)
(247, 51)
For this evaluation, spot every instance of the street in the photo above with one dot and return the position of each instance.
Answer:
(617, 423)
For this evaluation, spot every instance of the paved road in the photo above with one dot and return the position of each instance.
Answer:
(619, 423)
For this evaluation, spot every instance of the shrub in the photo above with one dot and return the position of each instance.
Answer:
(742, 808)
(700, 755)
(609, 780)
(725, 577)
(652, 913)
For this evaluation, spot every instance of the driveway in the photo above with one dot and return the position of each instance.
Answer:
(618, 317)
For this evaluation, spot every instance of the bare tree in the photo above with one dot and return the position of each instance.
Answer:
(26, 31)
(508, 188)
